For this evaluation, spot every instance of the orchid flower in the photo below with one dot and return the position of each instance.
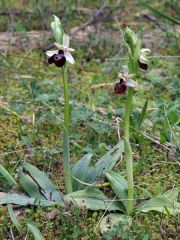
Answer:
(125, 81)
(62, 54)
(143, 61)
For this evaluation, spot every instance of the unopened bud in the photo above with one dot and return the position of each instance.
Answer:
(57, 29)
(130, 38)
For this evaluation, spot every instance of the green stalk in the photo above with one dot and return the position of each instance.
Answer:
(66, 152)
(66, 99)
(128, 153)
(128, 112)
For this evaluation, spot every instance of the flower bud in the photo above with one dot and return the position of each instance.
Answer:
(130, 38)
(57, 29)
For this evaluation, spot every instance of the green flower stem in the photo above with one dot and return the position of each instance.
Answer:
(66, 98)
(66, 152)
(128, 112)
(128, 154)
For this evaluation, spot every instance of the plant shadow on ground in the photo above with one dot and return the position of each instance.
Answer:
(31, 110)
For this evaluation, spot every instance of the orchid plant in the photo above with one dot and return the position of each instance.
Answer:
(81, 183)
(137, 59)
(59, 57)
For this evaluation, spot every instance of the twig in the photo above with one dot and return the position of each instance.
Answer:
(12, 235)
(104, 213)
(154, 20)
(14, 12)
(22, 118)
(92, 19)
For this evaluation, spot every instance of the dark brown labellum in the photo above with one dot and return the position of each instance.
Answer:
(143, 66)
(120, 87)
(58, 59)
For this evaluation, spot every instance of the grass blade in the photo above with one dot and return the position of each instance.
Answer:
(35, 231)
(173, 20)
(142, 115)
(13, 217)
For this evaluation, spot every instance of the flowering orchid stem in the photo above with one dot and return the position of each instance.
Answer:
(128, 154)
(66, 152)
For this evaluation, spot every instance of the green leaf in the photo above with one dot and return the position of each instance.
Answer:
(80, 171)
(143, 113)
(44, 97)
(7, 176)
(81, 114)
(13, 217)
(113, 219)
(106, 163)
(166, 203)
(119, 185)
(129, 155)
(35, 231)
(172, 194)
(101, 127)
(28, 184)
(36, 183)
(94, 199)
(22, 200)
(146, 237)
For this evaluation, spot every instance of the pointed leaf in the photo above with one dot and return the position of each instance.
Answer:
(7, 176)
(13, 217)
(35, 231)
(107, 162)
(23, 200)
(29, 185)
(119, 185)
(80, 171)
(166, 203)
(36, 183)
(172, 194)
(143, 113)
(94, 199)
